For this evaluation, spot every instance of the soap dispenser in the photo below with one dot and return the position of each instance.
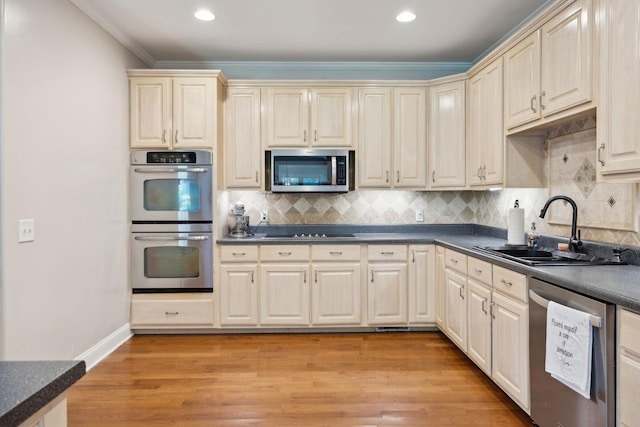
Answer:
(533, 237)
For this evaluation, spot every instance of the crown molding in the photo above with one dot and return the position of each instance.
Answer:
(115, 32)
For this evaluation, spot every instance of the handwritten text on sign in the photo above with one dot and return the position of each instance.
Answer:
(564, 332)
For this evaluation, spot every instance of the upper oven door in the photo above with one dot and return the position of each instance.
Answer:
(171, 193)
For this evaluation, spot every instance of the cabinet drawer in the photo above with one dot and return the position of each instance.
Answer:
(456, 260)
(335, 253)
(284, 253)
(510, 283)
(387, 252)
(479, 270)
(238, 253)
(172, 310)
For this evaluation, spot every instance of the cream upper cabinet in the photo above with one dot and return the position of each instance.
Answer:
(447, 139)
(392, 138)
(551, 70)
(618, 132)
(422, 276)
(241, 148)
(301, 117)
(485, 132)
(173, 112)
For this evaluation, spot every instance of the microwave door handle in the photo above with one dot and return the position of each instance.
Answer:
(170, 238)
(334, 170)
(596, 321)
(170, 170)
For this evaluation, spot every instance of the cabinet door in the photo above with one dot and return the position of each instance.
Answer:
(510, 348)
(440, 288)
(193, 112)
(409, 138)
(284, 294)
(493, 146)
(238, 295)
(387, 294)
(628, 372)
(375, 135)
(287, 113)
(479, 325)
(242, 139)
(150, 112)
(335, 294)
(522, 81)
(475, 130)
(331, 117)
(619, 98)
(447, 135)
(422, 275)
(456, 308)
(566, 74)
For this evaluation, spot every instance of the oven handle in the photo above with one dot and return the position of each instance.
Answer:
(170, 170)
(170, 238)
(596, 321)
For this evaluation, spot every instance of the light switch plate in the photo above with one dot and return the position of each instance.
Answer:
(26, 230)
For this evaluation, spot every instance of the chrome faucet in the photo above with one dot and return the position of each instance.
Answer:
(574, 240)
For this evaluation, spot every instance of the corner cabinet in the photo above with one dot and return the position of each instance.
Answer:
(485, 132)
(447, 140)
(308, 117)
(618, 131)
(550, 71)
(392, 146)
(241, 147)
(170, 109)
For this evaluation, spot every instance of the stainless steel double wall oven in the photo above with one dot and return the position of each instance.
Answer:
(171, 221)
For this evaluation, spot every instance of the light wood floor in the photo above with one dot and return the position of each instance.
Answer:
(384, 379)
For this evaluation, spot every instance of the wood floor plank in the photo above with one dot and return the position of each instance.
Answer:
(334, 380)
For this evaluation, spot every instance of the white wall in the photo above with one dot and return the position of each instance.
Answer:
(63, 163)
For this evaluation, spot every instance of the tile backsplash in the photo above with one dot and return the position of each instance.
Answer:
(472, 207)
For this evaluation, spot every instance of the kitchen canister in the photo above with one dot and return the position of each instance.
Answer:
(515, 225)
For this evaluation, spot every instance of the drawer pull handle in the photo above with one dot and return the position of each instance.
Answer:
(336, 253)
(506, 283)
(477, 270)
(171, 313)
(387, 253)
(239, 253)
(453, 260)
(284, 253)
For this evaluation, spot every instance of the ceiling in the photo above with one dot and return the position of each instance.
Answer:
(309, 30)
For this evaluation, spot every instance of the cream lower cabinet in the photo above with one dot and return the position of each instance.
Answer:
(455, 325)
(628, 372)
(336, 288)
(421, 292)
(387, 285)
(53, 414)
(510, 335)
(440, 289)
(183, 310)
(478, 313)
(238, 286)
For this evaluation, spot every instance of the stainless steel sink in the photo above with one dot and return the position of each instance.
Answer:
(546, 256)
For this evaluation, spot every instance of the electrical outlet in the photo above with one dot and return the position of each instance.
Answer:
(419, 215)
(26, 230)
(264, 216)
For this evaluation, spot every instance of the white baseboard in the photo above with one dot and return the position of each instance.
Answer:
(95, 354)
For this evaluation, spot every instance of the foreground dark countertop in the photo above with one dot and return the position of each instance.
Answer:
(617, 284)
(26, 387)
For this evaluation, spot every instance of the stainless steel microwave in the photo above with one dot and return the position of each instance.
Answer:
(310, 170)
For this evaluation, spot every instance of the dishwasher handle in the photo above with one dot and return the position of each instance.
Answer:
(596, 321)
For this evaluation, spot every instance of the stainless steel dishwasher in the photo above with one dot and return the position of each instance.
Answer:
(552, 403)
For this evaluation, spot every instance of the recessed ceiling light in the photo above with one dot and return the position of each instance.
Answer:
(406, 16)
(204, 15)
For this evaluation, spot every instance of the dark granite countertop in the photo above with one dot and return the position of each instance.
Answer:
(617, 284)
(26, 387)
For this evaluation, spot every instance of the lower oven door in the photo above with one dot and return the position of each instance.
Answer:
(171, 261)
